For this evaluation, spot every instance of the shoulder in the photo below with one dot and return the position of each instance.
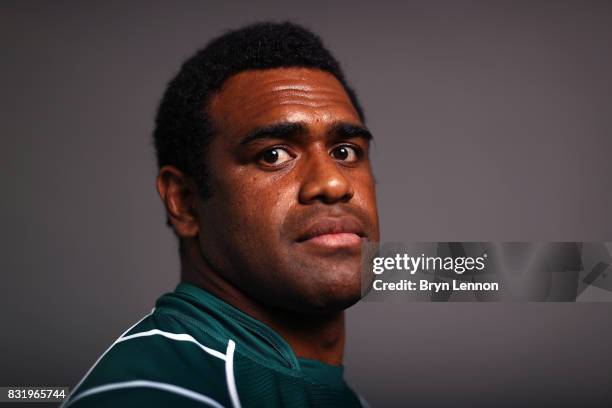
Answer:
(163, 360)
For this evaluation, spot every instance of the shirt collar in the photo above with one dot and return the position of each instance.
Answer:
(253, 338)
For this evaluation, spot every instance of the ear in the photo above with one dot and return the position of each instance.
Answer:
(179, 193)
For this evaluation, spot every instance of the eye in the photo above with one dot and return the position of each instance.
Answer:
(345, 153)
(275, 156)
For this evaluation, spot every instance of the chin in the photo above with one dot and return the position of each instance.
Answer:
(316, 287)
(337, 304)
(330, 298)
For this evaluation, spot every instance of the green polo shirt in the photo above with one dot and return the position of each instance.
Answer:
(193, 349)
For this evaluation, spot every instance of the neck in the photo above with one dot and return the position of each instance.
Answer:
(317, 337)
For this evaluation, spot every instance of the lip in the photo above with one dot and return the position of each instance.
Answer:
(334, 233)
(336, 240)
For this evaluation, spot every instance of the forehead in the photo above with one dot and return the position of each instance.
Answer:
(261, 97)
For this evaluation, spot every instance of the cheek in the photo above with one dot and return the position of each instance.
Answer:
(365, 198)
(260, 204)
(284, 200)
(367, 188)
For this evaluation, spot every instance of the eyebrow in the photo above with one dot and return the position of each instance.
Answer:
(290, 130)
(283, 130)
(347, 130)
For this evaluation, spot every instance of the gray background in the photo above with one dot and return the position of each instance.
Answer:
(492, 122)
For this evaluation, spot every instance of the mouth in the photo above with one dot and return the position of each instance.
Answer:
(334, 233)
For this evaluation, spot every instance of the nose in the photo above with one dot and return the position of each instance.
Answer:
(324, 181)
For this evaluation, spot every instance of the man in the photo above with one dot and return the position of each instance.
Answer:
(265, 177)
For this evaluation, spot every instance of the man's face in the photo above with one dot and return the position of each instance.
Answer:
(292, 190)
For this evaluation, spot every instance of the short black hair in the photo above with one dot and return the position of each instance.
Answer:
(183, 127)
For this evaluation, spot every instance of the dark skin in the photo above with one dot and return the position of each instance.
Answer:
(293, 199)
